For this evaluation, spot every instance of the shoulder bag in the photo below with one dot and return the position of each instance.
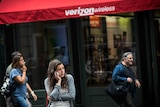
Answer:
(117, 89)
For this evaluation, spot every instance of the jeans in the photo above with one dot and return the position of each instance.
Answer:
(28, 102)
(21, 101)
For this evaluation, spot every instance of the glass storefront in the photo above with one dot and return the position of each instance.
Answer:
(41, 42)
(106, 38)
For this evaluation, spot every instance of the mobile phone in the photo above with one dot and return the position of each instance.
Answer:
(56, 73)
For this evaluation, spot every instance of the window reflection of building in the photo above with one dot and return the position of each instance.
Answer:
(60, 54)
(36, 42)
(103, 50)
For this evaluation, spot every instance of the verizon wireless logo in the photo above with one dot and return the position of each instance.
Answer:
(88, 11)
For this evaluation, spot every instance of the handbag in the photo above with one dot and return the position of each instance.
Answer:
(118, 88)
(115, 89)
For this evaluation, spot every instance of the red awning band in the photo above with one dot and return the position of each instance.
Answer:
(20, 11)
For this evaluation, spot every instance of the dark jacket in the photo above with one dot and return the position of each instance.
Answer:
(120, 75)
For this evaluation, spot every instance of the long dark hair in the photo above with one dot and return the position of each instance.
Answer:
(51, 69)
(15, 61)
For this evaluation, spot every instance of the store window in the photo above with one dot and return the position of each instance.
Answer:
(40, 42)
(106, 38)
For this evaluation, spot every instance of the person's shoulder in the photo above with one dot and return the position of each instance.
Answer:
(119, 66)
(15, 71)
(69, 76)
(9, 68)
(46, 80)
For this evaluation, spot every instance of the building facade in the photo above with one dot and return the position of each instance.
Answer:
(90, 47)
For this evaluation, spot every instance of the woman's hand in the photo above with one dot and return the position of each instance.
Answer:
(24, 68)
(34, 96)
(49, 98)
(58, 78)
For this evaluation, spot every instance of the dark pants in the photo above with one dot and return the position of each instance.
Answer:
(124, 101)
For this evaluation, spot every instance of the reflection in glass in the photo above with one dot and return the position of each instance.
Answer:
(105, 41)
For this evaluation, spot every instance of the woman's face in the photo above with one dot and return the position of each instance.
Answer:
(61, 70)
(21, 62)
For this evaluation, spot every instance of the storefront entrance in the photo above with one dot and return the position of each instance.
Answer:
(105, 40)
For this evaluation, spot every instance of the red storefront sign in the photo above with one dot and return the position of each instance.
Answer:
(20, 11)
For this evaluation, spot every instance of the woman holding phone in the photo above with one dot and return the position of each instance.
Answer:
(59, 85)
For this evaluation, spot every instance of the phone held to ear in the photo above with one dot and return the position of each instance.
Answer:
(56, 73)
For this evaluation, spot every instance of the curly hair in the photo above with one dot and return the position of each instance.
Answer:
(51, 69)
